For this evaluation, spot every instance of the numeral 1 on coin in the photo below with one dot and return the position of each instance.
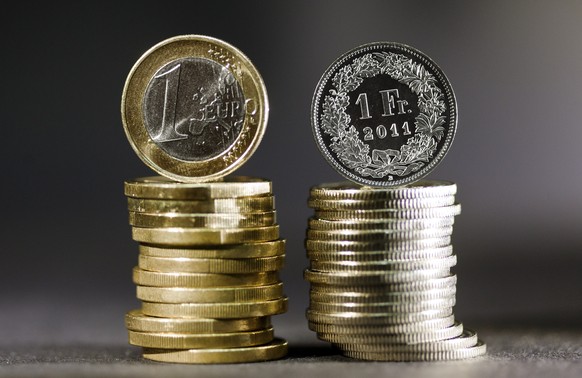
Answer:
(168, 130)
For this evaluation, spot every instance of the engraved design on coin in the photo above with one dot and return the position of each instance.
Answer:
(382, 113)
(193, 108)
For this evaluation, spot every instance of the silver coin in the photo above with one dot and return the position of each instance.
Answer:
(404, 287)
(341, 296)
(374, 278)
(388, 265)
(377, 329)
(386, 246)
(417, 203)
(467, 339)
(455, 330)
(384, 114)
(347, 190)
(388, 224)
(392, 307)
(375, 256)
(444, 355)
(380, 235)
(433, 212)
(358, 318)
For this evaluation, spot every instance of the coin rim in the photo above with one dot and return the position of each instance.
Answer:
(152, 155)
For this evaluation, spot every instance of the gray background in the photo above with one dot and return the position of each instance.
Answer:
(66, 247)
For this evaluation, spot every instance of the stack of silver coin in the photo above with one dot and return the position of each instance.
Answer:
(380, 272)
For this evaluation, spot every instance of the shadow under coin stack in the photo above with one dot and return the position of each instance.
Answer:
(381, 285)
(208, 270)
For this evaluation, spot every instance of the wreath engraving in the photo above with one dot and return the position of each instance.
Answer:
(347, 145)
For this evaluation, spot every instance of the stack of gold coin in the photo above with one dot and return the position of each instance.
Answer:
(380, 272)
(208, 270)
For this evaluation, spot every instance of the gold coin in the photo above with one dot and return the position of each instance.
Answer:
(210, 220)
(193, 280)
(272, 351)
(376, 318)
(417, 203)
(446, 282)
(159, 187)
(194, 108)
(341, 295)
(242, 251)
(216, 310)
(379, 329)
(204, 237)
(218, 206)
(186, 265)
(210, 295)
(379, 235)
(351, 191)
(135, 320)
(193, 340)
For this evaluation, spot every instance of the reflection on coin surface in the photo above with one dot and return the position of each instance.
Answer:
(194, 108)
(384, 114)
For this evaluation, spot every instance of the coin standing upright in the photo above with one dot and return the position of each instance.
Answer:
(194, 109)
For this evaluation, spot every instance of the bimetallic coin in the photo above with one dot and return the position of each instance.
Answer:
(236, 251)
(432, 212)
(159, 187)
(380, 256)
(193, 340)
(358, 318)
(379, 329)
(420, 203)
(135, 320)
(466, 340)
(360, 267)
(444, 355)
(384, 115)
(204, 237)
(379, 235)
(272, 351)
(218, 205)
(388, 224)
(211, 220)
(210, 295)
(197, 280)
(348, 190)
(234, 310)
(186, 265)
(194, 108)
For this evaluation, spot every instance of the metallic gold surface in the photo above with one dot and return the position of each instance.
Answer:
(217, 206)
(159, 187)
(210, 295)
(271, 351)
(192, 340)
(204, 237)
(135, 320)
(236, 251)
(216, 310)
(187, 265)
(198, 280)
(211, 220)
